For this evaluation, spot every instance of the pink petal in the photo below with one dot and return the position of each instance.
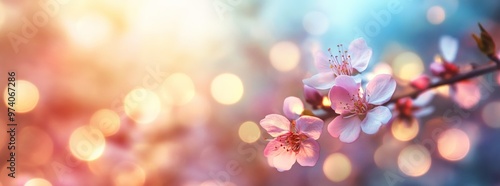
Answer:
(321, 81)
(310, 126)
(375, 118)
(284, 160)
(275, 124)
(293, 107)
(347, 129)
(349, 83)
(437, 68)
(449, 47)
(321, 61)
(380, 89)
(360, 54)
(340, 100)
(273, 148)
(309, 153)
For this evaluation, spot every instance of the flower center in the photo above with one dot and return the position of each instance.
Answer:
(341, 63)
(291, 141)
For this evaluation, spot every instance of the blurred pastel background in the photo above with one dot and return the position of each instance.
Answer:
(153, 92)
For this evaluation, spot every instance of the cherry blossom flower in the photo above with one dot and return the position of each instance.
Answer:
(295, 137)
(358, 109)
(350, 62)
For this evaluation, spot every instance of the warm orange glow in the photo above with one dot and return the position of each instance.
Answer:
(129, 174)
(142, 105)
(414, 160)
(27, 96)
(453, 144)
(337, 167)
(326, 102)
(177, 89)
(408, 66)
(249, 132)
(87, 143)
(403, 130)
(107, 121)
(284, 56)
(227, 89)
(37, 182)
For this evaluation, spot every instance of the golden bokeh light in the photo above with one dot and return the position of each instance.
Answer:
(453, 144)
(87, 143)
(436, 15)
(284, 56)
(443, 90)
(26, 96)
(408, 66)
(326, 102)
(177, 89)
(249, 132)
(227, 88)
(35, 146)
(490, 114)
(414, 160)
(107, 121)
(380, 68)
(142, 105)
(89, 30)
(37, 182)
(405, 130)
(129, 174)
(337, 167)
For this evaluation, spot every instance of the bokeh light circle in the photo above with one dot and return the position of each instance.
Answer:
(490, 114)
(178, 89)
(284, 56)
(414, 160)
(436, 15)
(315, 23)
(337, 167)
(37, 182)
(404, 130)
(249, 132)
(453, 144)
(26, 96)
(107, 121)
(227, 88)
(129, 174)
(87, 143)
(408, 66)
(142, 105)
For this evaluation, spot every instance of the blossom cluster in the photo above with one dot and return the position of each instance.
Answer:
(360, 104)
(359, 109)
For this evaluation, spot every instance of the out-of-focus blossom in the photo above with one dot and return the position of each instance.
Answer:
(465, 93)
(407, 109)
(295, 137)
(421, 82)
(358, 109)
(312, 96)
(350, 62)
(445, 68)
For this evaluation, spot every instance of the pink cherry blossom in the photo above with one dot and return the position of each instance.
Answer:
(295, 139)
(349, 62)
(360, 110)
